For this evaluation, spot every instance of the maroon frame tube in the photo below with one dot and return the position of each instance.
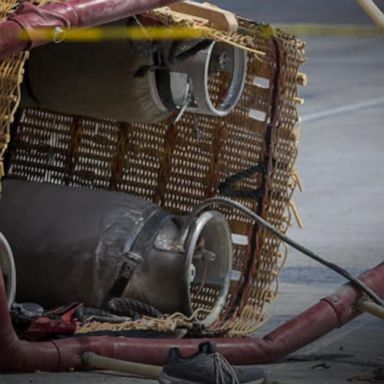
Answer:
(71, 13)
(62, 355)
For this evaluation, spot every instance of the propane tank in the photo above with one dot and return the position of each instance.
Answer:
(72, 244)
(134, 82)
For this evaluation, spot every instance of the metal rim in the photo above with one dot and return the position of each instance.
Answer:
(199, 225)
(200, 83)
(8, 269)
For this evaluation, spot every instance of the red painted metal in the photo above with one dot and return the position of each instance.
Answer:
(61, 355)
(71, 13)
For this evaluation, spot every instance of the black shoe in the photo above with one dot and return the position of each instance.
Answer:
(206, 367)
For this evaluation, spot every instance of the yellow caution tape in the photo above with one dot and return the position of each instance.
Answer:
(331, 30)
(95, 35)
(98, 34)
(113, 33)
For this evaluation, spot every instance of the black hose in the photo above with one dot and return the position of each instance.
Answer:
(233, 204)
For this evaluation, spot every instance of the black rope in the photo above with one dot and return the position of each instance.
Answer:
(83, 314)
(225, 188)
(199, 331)
(122, 306)
(172, 57)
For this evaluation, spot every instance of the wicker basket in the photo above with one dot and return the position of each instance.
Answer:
(252, 152)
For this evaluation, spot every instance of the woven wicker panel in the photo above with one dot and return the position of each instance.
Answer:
(179, 165)
(270, 254)
(11, 76)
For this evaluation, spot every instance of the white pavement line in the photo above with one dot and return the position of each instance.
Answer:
(344, 109)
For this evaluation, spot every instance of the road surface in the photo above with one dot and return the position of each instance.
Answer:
(341, 162)
(299, 11)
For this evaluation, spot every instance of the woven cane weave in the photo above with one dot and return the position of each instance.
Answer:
(179, 165)
(11, 75)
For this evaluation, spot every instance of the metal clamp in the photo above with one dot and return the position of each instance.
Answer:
(58, 35)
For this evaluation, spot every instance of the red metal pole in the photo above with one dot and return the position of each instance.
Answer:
(61, 355)
(66, 14)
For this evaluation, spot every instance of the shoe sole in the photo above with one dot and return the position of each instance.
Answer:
(165, 379)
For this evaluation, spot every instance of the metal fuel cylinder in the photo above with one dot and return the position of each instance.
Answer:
(73, 244)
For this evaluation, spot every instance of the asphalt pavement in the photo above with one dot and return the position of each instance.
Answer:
(341, 165)
(299, 11)
(341, 162)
